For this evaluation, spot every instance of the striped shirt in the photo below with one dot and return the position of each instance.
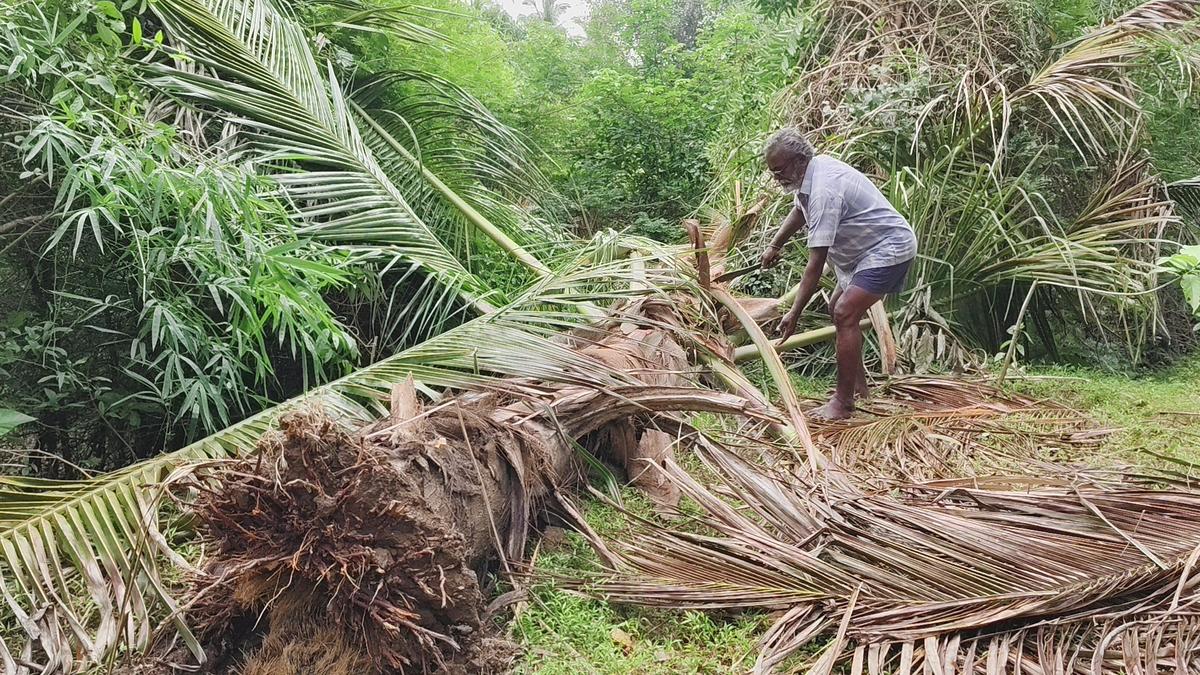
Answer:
(848, 214)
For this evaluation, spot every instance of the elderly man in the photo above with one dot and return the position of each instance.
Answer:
(851, 226)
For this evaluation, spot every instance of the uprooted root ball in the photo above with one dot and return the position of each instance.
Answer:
(337, 554)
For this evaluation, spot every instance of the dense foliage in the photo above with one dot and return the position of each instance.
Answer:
(1023, 152)
(635, 116)
(154, 279)
(161, 288)
(161, 284)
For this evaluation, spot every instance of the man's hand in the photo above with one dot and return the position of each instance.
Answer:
(770, 256)
(787, 325)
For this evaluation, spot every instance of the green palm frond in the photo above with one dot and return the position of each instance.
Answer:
(985, 235)
(455, 161)
(438, 116)
(399, 20)
(403, 307)
(106, 548)
(459, 210)
(272, 84)
(103, 532)
(989, 232)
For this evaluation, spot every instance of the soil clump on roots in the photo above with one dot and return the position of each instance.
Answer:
(357, 553)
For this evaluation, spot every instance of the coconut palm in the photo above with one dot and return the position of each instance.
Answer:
(550, 11)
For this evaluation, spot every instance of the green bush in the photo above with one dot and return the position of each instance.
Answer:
(1186, 266)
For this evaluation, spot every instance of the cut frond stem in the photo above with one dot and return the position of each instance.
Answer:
(798, 341)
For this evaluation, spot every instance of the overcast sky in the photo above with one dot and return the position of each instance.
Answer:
(575, 10)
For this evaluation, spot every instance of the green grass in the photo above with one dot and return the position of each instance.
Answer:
(1144, 409)
(563, 633)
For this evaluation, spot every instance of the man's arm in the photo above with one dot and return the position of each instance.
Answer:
(808, 286)
(791, 225)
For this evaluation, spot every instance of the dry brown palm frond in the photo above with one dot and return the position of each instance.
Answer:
(1133, 215)
(927, 341)
(864, 44)
(921, 429)
(1186, 195)
(963, 59)
(969, 441)
(926, 428)
(1134, 196)
(1050, 577)
(1088, 87)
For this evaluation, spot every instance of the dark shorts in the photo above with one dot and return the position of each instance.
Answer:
(882, 280)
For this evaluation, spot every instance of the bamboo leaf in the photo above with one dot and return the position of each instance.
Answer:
(11, 419)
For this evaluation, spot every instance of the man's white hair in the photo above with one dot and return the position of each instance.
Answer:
(790, 140)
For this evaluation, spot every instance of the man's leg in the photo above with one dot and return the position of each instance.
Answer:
(861, 390)
(851, 306)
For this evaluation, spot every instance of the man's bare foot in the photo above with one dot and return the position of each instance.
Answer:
(835, 409)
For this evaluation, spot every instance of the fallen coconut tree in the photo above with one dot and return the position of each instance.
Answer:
(366, 551)
(376, 540)
(361, 541)
(384, 535)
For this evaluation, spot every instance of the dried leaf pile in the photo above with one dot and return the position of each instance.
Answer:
(929, 428)
(907, 569)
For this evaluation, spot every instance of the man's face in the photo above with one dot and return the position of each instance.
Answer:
(787, 169)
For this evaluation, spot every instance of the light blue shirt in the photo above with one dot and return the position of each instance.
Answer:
(848, 214)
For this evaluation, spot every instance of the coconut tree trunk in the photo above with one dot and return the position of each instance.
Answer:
(362, 551)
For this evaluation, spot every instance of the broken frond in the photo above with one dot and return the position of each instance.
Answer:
(1042, 575)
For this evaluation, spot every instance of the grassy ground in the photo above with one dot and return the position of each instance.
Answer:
(563, 633)
(1159, 413)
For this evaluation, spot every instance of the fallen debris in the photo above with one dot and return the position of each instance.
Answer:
(1048, 571)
